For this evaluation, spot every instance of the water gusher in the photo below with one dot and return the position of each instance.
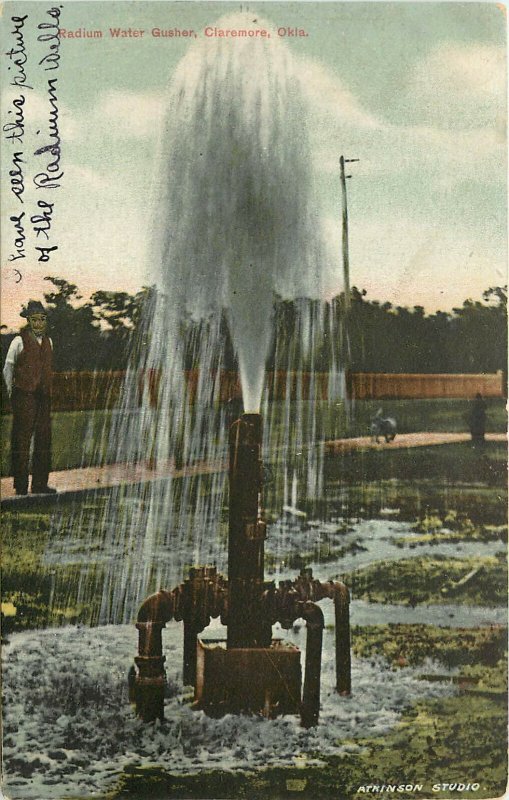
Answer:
(249, 671)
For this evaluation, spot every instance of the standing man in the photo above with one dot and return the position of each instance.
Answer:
(28, 373)
(478, 419)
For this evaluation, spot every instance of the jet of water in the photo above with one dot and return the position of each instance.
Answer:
(236, 219)
(236, 224)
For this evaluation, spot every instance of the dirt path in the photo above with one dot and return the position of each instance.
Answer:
(425, 439)
(75, 481)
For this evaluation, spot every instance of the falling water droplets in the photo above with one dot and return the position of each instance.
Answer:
(235, 229)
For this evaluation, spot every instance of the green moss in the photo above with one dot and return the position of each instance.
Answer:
(452, 740)
(411, 499)
(411, 644)
(482, 533)
(40, 593)
(433, 580)
(451, 526)
(432, 743)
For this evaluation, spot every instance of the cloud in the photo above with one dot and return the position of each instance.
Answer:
(443, 156)
(126, 115)
(330, 99)
(460, 86)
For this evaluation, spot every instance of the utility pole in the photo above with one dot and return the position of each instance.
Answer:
(346, 260)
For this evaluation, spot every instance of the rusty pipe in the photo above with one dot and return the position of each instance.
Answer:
(202, 597)
(246, 536)
(312, 589)
(153, 615)
(340, 595)
(150, 681)
(310, 707)
(343, 656)
(158, 607)
(338, 592)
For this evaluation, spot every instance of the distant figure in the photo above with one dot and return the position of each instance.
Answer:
(478, 419)
(28, 373)
(383, 426)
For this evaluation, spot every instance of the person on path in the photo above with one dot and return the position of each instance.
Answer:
(28, 375)
(478, 419)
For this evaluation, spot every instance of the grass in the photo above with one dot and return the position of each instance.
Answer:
(416, 484)
(42, 596)
(458, 739)
(433, 580)
(415, 415)
(451, 463)
(71, 432)
(427, 481)
(413, 500)
(451, 527)
(74, 431)
(400, 645)
(487, 533)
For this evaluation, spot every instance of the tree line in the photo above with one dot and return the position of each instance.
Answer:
(472, 338)
(99, 333)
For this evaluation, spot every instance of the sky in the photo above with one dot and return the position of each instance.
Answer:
(415, 91)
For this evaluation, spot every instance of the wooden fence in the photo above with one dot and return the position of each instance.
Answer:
(379, 385)
(80, 391)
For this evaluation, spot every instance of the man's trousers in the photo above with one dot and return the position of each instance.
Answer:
(31, 417)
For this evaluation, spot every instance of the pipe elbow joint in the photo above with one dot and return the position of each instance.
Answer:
(159, 607)
(337, 591)
(342, 592)
(312, 614)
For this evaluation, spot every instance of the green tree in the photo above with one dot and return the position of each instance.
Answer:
(121, 317)
(77, 338)
(478, 338)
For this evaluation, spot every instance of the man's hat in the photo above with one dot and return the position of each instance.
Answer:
(32, 307)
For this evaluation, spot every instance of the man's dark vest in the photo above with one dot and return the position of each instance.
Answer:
(33, 369)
